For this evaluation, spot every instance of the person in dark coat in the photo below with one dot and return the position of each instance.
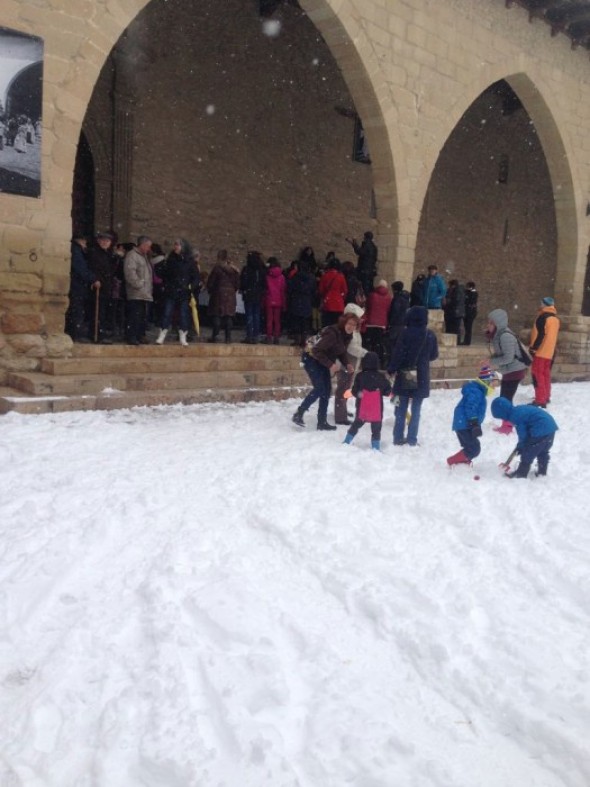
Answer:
(366, 268)
(471, 297)
(252, 286)
(223, 284)
(301, 291)
(82, 279)
(369, 388)
(102, 263)
(454, 307)
(322, 361)
(396, 319)
(180, 279)
(416, 348)
(417, 292)
(355, 292)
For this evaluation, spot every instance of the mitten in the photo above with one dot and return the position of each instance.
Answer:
(475, 428)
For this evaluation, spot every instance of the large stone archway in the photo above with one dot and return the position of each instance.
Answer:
(279, 134)
(412, 69)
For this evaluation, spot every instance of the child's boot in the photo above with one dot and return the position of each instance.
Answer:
(348, 439)
(182, 338)
(460, 458)
(376, 445)
(161, 335)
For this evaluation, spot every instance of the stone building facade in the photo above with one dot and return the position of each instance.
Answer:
(477, 122)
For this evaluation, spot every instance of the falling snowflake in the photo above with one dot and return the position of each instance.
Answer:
(210, 109)
(271, 27)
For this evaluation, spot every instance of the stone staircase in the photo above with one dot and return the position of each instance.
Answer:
(99, 377)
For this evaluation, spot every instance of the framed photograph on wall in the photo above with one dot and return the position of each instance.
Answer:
(360, 149)
(21, 103)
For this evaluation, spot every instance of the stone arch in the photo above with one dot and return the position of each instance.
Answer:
(357, 60)
(542, 109)
(360, 71)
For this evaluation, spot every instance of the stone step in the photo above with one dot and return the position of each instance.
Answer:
(39, 384)
(176, 350)
(15, 401)
(108, 364)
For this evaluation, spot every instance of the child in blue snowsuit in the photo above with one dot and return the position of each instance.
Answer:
(535, 429)
(370, 386)
(469, 415)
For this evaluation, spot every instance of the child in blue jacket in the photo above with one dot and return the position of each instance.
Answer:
(535, 429)
(469, 414)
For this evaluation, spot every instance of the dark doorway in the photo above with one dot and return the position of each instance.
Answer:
(83, 190)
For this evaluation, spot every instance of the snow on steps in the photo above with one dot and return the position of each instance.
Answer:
(121, 376)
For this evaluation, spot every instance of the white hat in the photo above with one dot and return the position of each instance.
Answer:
(353, 308)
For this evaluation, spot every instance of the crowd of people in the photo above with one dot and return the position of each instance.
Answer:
(335, 352)
(117, 290)
(346, 324)
(18, 132)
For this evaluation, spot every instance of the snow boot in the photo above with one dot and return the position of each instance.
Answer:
(161, 335)
(182, 338)
(324, 426)
(505, 428)
(348, 439)
(376, 445)
(298, 418)
(460, 458)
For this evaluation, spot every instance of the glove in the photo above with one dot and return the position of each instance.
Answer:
(475, 428)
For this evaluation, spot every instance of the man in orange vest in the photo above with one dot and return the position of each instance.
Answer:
(542, 348)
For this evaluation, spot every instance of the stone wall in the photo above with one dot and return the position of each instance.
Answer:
(241, 139)
(412, 70)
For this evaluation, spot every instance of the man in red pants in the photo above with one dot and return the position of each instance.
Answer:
(542, 349)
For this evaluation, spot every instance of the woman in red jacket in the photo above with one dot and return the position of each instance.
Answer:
(377, 310)
(333, 289)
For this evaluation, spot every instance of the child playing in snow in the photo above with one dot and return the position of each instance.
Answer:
(370, 386)
(535, 429)
(469, 414)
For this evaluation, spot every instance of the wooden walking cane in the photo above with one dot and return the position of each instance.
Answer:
(96, 314)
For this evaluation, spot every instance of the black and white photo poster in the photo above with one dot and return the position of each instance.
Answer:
(21, 123)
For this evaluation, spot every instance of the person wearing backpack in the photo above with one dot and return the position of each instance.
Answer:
(323, 360)
(507, 356)
(369, 388)
(410, 362)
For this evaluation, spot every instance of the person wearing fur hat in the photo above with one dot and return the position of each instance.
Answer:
(356, 352)
(506, 357)
(536, 431)
(416, 348)
(542, 349)
(322, 361)
(469, 415)
(378, 303)
(369, 388)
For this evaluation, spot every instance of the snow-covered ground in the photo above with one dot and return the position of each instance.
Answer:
(206, 596)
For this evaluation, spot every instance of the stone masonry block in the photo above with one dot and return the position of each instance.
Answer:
(21, 323)
(20, 282)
